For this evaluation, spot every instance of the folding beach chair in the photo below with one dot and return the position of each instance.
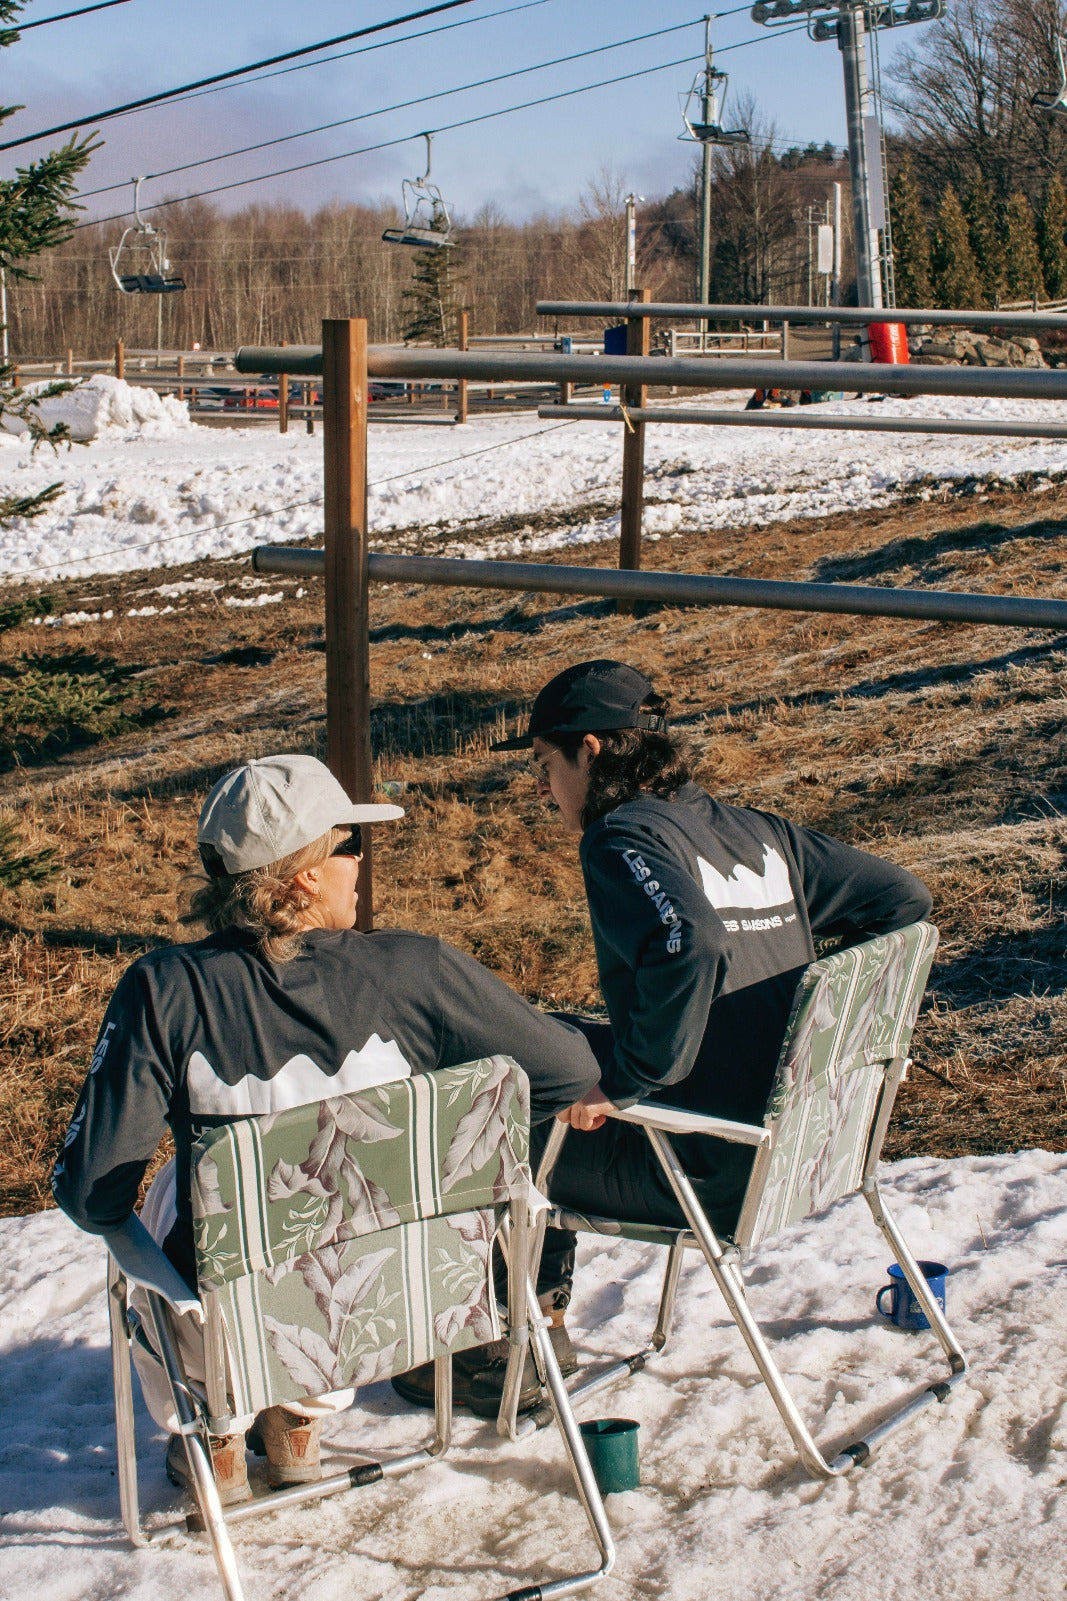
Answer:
(843, 1058)
(338, 1244)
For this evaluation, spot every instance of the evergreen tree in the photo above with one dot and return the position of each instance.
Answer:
(911, 240)
(434, 293)
(1052, 233)
(952, 264)
(985, 239)
(1023, 275)
(35, 208)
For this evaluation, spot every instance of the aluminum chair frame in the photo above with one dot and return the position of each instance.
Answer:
(724, 1260)
(135, 1259)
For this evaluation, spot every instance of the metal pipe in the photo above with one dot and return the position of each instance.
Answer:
(680, 372)
(850, 40)
(807, 419)
(848, 315)
(685, 589)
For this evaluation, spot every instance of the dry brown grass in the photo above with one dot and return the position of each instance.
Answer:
(940, 746)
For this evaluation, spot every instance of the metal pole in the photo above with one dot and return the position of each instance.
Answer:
(811, 418)
(835, 283)
(686, 589)
(633, 447)
(850, 41)
(461, 408)
(344, 431)
(631, 243)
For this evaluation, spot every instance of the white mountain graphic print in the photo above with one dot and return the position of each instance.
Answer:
(299, 1082)
(744, 889)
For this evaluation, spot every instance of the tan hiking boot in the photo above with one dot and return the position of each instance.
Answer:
(291, 1446)
(227, 1462)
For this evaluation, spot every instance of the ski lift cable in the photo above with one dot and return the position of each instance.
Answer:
(363, 50)
(235, 72)
(64, 16)
(450, 127)
(400, 105)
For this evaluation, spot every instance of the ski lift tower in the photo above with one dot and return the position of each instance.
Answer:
(849, 22)
(702, 115)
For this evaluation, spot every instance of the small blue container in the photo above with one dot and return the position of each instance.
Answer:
(904, 1310)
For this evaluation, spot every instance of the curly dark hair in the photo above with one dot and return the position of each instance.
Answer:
(631, 760)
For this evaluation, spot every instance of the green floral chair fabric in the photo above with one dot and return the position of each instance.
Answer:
(350, 1240)
(854, 1012)
(843, 1057)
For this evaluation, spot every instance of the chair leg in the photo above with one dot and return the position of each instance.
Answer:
(122, 1382)
(198, 1455)
(578, 1461)
(669, 1293)
(917, 1283)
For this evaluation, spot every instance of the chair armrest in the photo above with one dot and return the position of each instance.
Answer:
(675, 1120)
(142, 1262)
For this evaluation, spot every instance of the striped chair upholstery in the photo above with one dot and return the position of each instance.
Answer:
(853, 1013)
(351, 1239)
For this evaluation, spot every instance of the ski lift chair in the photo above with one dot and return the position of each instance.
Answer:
(701, 113)
(338, 1244)
(842, 1060)
(427, 221)
(1053, 102)
(139, 263)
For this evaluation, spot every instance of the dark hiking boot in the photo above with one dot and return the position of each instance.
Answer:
(478, 1375)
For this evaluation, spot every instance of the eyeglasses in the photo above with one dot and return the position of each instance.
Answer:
(538, 767)
(352, 846)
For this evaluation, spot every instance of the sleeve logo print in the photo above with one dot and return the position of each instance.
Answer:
(744, 890)
(642, 874)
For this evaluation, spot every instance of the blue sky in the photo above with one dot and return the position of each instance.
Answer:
(524, 163)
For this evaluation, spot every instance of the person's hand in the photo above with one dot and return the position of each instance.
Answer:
(591, 1112)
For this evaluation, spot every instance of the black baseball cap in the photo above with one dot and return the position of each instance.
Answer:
(589, 698)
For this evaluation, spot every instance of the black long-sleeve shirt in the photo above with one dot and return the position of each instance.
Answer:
(197, 1035)
(703, 919)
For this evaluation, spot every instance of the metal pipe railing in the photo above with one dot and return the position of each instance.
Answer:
(679, 372)
(684, 589)
(847, 316)
(805, 419)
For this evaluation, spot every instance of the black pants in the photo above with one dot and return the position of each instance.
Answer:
(613, 1172)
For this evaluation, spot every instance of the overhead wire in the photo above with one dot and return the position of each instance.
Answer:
(235, 72)
(364, 50)
(400, 105)
(65, 16)
(447, 127)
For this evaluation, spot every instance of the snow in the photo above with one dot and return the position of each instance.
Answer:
(963, 1502)
(150, 488)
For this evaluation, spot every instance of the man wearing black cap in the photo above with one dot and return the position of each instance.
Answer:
(703, 915)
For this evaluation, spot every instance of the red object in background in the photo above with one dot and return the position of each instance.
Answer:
(889, 342)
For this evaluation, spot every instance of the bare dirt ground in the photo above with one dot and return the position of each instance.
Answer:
(940, 746)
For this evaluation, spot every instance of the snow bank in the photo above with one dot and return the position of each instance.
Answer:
(102, 403)
(961, 1505)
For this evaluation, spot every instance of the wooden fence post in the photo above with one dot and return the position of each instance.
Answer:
(633, 447)
(283, 399)
(120, 359)
(70, 363)
(344, 443)
(309, 401)
(461, 410)
(180, 364)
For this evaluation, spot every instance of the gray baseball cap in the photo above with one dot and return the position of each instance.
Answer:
(265, 810)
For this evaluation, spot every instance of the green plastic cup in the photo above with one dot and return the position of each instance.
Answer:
(612, 1447)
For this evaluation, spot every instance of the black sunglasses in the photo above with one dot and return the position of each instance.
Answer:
(352, 846)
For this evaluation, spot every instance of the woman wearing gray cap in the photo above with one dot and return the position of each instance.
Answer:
(282, 1005)
(703, 917)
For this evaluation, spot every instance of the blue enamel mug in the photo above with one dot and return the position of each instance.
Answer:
(903, 1309)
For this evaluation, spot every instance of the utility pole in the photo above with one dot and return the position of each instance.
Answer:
(702, 118)
(849, 21)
